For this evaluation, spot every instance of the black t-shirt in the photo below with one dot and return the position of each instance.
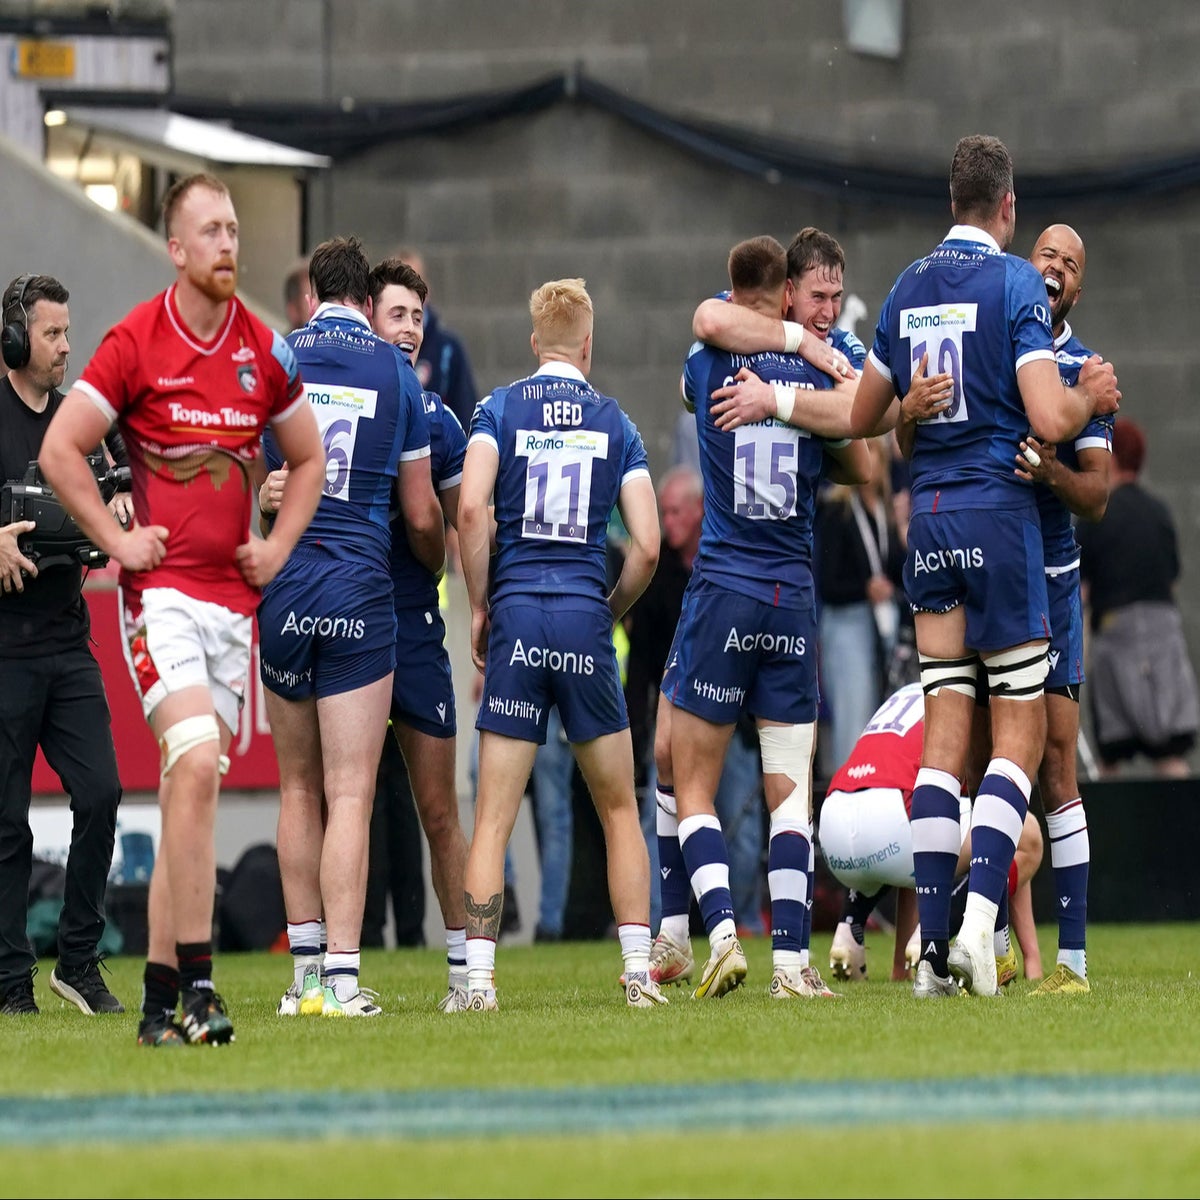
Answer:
(50, 615)
(1131, 554)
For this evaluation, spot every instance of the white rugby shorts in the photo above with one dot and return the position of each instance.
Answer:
(866, 838)
(173, 641)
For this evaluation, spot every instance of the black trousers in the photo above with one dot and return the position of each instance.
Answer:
(395, 859)
(58, 702)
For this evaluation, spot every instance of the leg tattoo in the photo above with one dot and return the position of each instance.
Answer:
(483, 920)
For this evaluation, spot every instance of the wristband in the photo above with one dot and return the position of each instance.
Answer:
(785, 400)
(793, 336)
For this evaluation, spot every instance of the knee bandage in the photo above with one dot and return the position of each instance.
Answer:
(953, 674)
(788, 750)
(185, 735)
(1018, 674)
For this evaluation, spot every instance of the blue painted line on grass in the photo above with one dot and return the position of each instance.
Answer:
(635, 1109)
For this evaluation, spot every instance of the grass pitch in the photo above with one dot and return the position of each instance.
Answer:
(566, 1092)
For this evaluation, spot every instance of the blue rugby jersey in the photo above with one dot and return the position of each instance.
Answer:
(365, 396)
(565, 452)
(760, 482)
(1058, 532)
(980, 314)
(413, 584)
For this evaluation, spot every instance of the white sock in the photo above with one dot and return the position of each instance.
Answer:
(481, 964)
(722, 930)
(456, 956)
(788, 960)
(304, 941)
(1075, 960)
(1000, 943)
(677, 928)
(635, 948)
(980, 915)
(341, 973)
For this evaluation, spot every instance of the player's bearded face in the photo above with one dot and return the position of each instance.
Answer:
(206, 243)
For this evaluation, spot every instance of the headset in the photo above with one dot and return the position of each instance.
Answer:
(14, 340)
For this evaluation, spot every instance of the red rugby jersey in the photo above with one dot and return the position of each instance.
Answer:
(192, 415)
(888, 752)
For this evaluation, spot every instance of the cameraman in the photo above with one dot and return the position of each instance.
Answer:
(51, 691)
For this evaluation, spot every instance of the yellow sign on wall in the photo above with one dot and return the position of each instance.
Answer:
(36, 59)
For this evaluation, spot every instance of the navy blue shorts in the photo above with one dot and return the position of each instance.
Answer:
(423, 687)
(1066, 628)
(732, 652)
(325, 627)
(989, 561)
(547, 650)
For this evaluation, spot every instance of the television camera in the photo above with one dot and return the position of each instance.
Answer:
(57, 541)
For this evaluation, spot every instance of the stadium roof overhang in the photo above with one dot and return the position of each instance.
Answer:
(174, 142)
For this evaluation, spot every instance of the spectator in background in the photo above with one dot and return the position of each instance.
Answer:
(1143, 690)
(296, 306)
(442, 365)
(860, 578)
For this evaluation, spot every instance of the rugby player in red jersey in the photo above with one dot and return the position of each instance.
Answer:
(192, 379)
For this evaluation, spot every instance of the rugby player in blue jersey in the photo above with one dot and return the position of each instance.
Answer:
(747, 633)
(423, 715)
(975, 574)
(813, 295)
(1072, 478)
(558, 456)
(327, 625)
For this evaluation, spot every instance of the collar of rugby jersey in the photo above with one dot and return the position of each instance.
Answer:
(561, 370)
(343, 311)
(1064, 337)
(972, 233)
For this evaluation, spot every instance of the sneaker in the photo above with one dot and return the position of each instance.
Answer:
(85, 988)
(799, 983)
(312, 992)
(299, 999)
(482, 1001)
(847, 959)
(788, 984)
(455, 1000)
(643, 993)
(724, 971)
(972, 962)
(17, 1000)
(361, 1004)
(816, 985)
(912, 951)
(1062, 981)
(161, 1030)
(930, 986)
(204, 1018)
(671, 963)
(1006, 968)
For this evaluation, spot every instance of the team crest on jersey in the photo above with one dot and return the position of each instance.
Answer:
(247, 375)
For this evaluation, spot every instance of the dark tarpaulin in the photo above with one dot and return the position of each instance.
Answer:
(342, 131)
